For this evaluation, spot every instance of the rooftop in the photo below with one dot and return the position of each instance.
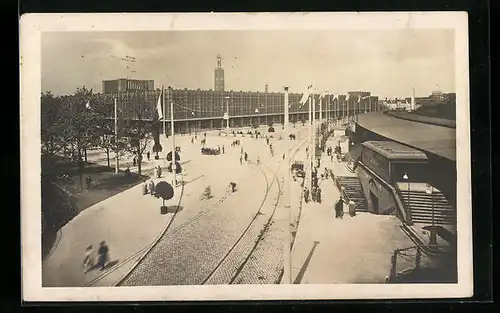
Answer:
(394, 150)
(437, 140)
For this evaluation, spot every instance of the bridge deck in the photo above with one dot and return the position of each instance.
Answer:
(437, 140)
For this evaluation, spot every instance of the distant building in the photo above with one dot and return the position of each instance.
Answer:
(126, 85)
(219, 75)
(366, 103)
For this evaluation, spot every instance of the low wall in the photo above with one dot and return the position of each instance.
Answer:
(422, 119)
(386, 202)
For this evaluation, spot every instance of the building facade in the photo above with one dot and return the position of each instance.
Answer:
(126, 85)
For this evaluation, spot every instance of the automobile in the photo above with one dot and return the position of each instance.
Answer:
(297, 165)
(210, 151)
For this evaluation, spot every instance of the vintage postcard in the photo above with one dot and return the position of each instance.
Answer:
(236, 156)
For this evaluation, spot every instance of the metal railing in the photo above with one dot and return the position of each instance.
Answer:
(404, 261)
(402, 211)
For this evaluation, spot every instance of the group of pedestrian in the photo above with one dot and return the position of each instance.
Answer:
(316, 194)
(102, 257)
(148, 188)
(157, 171)
(339, 208)
(235, 143)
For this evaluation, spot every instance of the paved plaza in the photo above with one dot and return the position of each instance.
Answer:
(232, 238)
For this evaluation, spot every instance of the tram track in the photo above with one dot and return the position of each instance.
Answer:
(165, 234)
(235, 260)
(143, 252)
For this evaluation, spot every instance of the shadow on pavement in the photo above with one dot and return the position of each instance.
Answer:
(303, 269)
(171, 209)
(49, 239)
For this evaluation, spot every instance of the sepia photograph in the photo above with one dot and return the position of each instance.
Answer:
(245, 156)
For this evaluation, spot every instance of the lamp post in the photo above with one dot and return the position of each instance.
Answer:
(405, 177)
(433, 239)
(227, 112)
(117, 166)
(288, 254)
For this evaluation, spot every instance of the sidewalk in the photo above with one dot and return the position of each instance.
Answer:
(130, 222)
(349, 250)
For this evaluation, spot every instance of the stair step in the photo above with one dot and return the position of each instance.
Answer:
(426, 208)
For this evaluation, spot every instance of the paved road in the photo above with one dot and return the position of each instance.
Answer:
(198, 244)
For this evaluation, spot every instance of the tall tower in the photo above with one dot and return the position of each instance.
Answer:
(219, 75)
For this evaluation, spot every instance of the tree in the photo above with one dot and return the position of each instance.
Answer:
(52, 124)
(139, 133)
(52, 130)
(104, 138)
(78, 125)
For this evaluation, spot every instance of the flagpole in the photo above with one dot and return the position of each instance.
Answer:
(288, 242)
(309, 166)
(164, 113)
(174, 174)
(117, 167)
(313, 155)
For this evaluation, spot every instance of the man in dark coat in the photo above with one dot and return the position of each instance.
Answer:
(339, 208)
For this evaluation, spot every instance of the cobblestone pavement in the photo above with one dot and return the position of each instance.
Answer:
(265, 264)
(226, 270)
(188, 255)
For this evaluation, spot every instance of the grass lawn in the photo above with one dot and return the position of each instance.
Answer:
(105, 184)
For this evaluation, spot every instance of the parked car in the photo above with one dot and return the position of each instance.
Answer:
(210, 151)
(297, 165)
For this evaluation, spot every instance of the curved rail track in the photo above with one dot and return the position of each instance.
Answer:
(168, 232)
(220, 274)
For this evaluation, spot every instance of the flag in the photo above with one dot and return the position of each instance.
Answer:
(324, 94)
(159, 110)
(87, 105)
(306, 94)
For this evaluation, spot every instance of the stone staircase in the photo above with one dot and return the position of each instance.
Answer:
(420, 205)
(353, 191)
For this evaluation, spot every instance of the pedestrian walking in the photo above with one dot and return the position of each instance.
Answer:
(318, 194)
(241, 160)
(103, 255)
(258, 160)
(246, 157)
(88, 259)
(134, 162)
(88, 180)
(148, 155)
(352, 208)
(222, 149)
(155, 172)
(152, 187)
(306, 195)
(339, 208)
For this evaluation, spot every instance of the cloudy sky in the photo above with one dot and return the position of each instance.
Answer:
(387, 63)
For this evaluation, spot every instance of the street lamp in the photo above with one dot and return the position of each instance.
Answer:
(258, 117)
(227, 115)
(430, 191)
(405, 177)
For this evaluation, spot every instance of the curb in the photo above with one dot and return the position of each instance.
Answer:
(151, 246)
